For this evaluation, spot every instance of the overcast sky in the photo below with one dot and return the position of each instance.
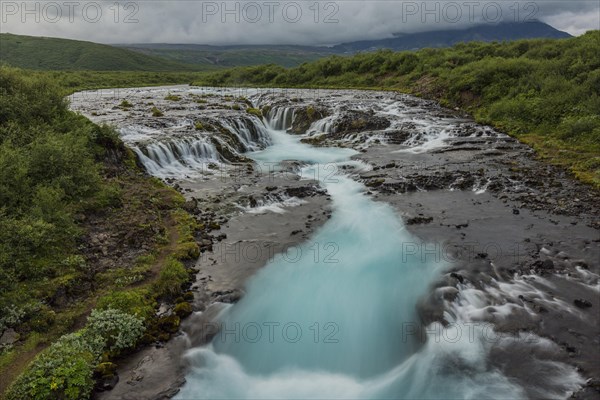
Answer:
(276, 22)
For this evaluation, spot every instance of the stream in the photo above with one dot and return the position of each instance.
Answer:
(413, 259)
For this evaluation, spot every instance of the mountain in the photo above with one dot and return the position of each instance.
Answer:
(446, 38)
(290, 56)
(65, 54)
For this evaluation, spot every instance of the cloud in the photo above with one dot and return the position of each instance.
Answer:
(275, 22)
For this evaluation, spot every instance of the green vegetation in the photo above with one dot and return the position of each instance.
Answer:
(83, 233)
(156, 112)
(254, 111)
(45, 53)
(65, 370)
(172, 97)
(544, 92)
(213, 57)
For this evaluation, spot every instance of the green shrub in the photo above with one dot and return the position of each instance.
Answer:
(156, 112)
(118, 330)
(171, 279)
(135, 302)
(254, 111)
(125, 104)
(183, 309)
(63, 371)
(172, 97)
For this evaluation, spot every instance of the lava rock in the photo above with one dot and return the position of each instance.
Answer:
(581, 303)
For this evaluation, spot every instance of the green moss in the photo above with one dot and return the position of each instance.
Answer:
(125, 104)
(169, 324)
(182, 310)
(156, 112)
(254, 111)
(172, 97)
(171, 279)
(198, 125)
(137, 302)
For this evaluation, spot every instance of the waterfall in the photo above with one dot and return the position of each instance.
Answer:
(281, 118)
(322, 126)
(177, 158)
(251, 133)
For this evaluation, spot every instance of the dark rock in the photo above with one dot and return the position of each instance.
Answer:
(547, 264)
(418, 220)
(458, 277)
(581, 303)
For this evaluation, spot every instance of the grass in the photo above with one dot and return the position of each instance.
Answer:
(43, 53)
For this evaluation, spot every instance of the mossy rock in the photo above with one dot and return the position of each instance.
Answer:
(172, 97)
(183, 309)
(265, 109)
(163, 337)
(188, 296)
(156, 112)
(147, 339)
(304, 117)
(187, 251)
(169, 324)
(254, 111)
(375, 182)
(106, 369)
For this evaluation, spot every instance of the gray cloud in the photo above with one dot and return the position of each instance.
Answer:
(276, 22)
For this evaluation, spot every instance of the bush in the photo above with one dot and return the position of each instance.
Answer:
(118, 330)
(134, 302)
(171, 279)
(63, 371)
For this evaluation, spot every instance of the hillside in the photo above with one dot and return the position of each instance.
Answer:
(232, 56)
(63, 54)
(292, 56)
(445, 38)
(86, 237)
(544, 92)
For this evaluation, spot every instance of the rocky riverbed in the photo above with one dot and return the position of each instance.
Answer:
(520, 237)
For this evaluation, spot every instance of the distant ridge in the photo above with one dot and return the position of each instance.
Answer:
(446, 38)
(293, 55)
(65, 54)
(46, 53)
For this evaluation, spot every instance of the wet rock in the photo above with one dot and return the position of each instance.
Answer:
(458, 277)
(582, 303)
(305, 116)
(228, 296)
(419, 220)
(358, 121)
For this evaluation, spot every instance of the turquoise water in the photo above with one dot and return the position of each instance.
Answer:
(328, 319)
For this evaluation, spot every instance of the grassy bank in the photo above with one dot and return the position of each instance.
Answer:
(89, 245)
(544, 92)
(73, 81)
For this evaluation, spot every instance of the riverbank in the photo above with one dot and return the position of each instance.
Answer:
(116, 237)
(518, 241)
